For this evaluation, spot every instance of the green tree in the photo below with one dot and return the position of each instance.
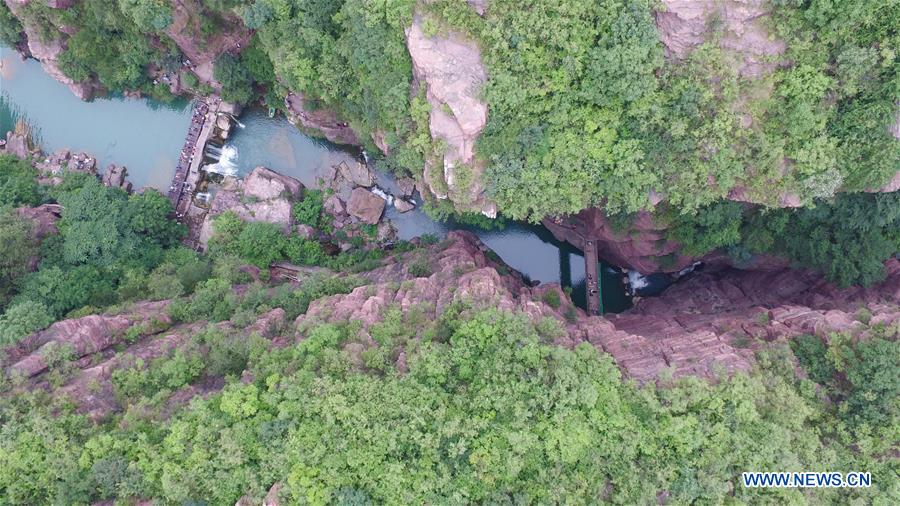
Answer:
(17, 250)
(22, 319)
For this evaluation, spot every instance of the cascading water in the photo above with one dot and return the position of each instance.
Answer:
(227, 161)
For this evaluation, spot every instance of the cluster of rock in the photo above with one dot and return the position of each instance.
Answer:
(264, 195)
(52, 167)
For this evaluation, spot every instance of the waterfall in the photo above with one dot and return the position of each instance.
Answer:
(239, 124)
(227, 162)
(383, 194)
(636, 280)
(213, 151)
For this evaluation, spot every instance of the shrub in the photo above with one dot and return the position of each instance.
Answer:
(551, 298)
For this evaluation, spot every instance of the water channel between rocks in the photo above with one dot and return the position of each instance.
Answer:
(146, 137)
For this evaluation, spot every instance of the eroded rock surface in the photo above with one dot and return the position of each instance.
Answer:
(740, 24)
(450, 68)
(641, 246)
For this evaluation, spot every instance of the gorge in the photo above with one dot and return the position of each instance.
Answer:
(359, 252)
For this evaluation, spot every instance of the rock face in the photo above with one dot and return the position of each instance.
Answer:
(44, 217)
(704, 326)
(685, 24)
(200, 47)
(49, 51)
(84, 336)
(717, 320)
(366, 206)
(642, 247)
(450, 68)
(323, 121)
(263, 195)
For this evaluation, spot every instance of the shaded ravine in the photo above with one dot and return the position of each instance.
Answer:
(146, 137)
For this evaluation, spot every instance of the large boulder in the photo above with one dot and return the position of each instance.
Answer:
(358, 173)
(266, 184)
(83, 336)
(366, 206)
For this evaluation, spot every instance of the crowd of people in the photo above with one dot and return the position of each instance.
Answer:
(179, 185)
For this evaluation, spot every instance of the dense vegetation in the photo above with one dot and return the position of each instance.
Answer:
(847, 239)
(585, 110)
(485, 413)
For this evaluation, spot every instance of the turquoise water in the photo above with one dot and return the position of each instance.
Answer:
(143, 135)
(146, 137)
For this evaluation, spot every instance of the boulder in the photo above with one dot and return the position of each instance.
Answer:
(366, 206)
(306, 232)
(403, 206)
(450, 68)
(266, 184)
(115, 177)
(358, 174)
(334, 206)
(264, 195)
(18, 143)
(407, 186)
(740, 26)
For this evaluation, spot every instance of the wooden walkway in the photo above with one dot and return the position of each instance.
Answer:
(592, 278)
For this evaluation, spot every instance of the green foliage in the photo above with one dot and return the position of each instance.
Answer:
(18, 184)
(153, 14)
(309, 210)
(551, 298)
(862, 378)
(256, 14)
(10, 27)
(103, 225)
(847, 238)
(488, 411)
(236, 81)
(715, 226)
(17, 248)
(63, 290)
(213, 300)
(22, 319)
(109, 45)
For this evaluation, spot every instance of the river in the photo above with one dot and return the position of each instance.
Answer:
(146, 137)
